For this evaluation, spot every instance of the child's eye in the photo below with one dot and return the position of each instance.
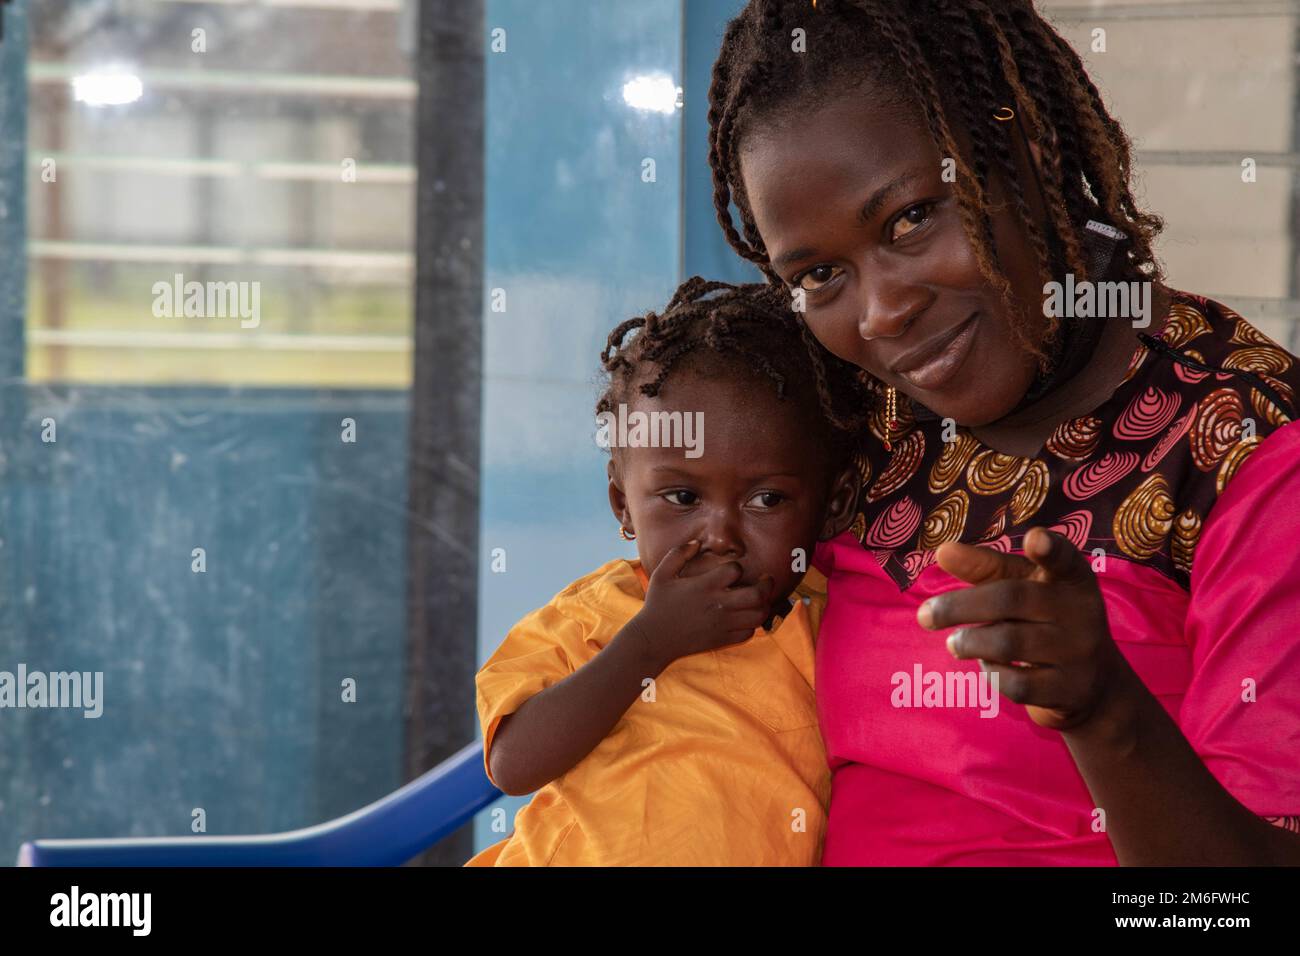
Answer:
(770, 498)
(912, 219)
(816, 277)
(672, 496)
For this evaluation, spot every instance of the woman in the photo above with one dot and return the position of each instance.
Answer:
(1097, 511)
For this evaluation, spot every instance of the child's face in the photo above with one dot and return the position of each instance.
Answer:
(853, 207)
(758, 491)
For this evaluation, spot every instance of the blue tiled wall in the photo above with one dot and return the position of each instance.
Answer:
(579, 242)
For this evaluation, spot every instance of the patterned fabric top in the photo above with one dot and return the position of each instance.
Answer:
(1135, 477)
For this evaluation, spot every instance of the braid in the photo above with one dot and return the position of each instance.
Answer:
(724, 107)
(751, 247)
(959, 31)
(847, 421)
(1107, 172)
(1010, 171)
(1031, 90)
(740, 326)
(1118, 200)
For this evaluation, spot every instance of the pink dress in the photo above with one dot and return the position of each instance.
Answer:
(1184, 490)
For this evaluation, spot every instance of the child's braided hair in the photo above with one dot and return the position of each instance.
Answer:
(956, 62)
(739, 327)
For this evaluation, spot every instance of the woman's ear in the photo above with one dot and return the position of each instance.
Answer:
(842, 507)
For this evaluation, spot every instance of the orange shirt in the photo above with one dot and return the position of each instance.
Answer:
(724, 767)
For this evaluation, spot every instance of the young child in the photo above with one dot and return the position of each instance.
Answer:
(663, 707)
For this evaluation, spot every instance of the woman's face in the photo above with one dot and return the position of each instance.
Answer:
(853, 209)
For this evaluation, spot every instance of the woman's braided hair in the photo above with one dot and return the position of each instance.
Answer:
(956, 62)
(741, 327)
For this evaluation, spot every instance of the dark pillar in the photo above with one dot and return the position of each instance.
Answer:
(442, 589)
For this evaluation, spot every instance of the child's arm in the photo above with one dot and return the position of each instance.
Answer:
(557, 727)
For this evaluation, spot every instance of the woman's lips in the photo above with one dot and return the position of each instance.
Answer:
(937, 370)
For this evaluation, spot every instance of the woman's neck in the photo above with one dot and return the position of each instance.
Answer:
(1024, 433)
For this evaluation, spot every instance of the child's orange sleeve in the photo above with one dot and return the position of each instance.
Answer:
(545, 647)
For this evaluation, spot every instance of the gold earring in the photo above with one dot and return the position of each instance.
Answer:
(891, 415)
(622, 533)
(1010, 115)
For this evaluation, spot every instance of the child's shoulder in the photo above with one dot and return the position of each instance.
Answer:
(813, 584)
(614, 583)
(610, 574)
(587, 611)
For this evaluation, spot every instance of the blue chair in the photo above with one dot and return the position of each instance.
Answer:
(388, 832)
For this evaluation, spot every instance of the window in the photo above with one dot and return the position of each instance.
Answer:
(254, 157)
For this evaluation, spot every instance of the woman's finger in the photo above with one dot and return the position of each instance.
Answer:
(1057, 556)
(1008, 643)
(1032, 686)
(976, 565)
(1014, 599)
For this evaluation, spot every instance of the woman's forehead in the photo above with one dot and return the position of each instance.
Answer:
(839, 161)
(841, 137)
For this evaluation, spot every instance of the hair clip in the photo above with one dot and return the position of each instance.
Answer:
(1101, 240)
(1011, 114)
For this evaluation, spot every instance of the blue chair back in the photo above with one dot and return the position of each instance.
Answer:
(388, 832)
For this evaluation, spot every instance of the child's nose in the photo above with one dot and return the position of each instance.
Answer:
(722, 535)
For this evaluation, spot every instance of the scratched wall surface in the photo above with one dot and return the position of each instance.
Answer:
(222, 688)
(15, 810)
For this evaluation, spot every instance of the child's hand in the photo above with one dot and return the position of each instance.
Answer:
(699, 612)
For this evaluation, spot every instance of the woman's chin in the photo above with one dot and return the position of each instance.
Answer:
(979, 395)
(971, 410)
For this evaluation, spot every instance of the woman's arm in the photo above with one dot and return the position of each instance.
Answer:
(1162, 806)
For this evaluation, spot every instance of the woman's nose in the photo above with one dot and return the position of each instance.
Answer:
(888, 306)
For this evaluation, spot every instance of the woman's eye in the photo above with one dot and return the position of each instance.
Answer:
(816, 277)
(769, 499)
(674, 495)
(910, 220)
